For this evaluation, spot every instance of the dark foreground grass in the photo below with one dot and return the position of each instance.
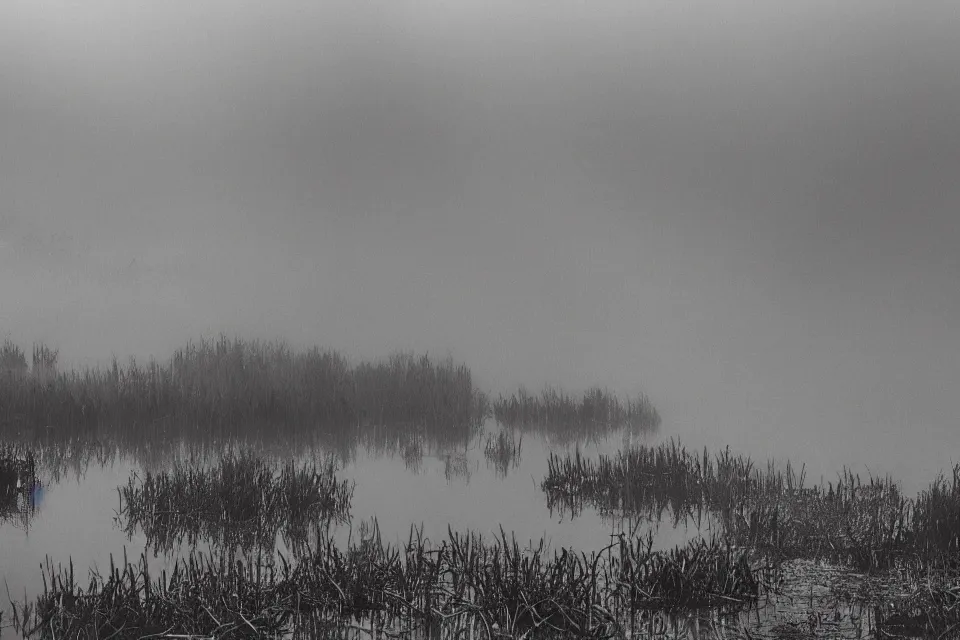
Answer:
(558, 413)
(865, 524)
(931, 610)
(868, 524)
(935, 520)
(465, 585)
(242, 501)
(232, 384)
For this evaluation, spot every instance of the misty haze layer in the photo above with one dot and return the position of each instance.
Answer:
(749, 211)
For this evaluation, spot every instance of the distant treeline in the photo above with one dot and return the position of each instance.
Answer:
(234, 383)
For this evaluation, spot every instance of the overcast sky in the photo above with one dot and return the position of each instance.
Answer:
(749, 209)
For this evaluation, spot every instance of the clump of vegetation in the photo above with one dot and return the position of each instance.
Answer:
(456, 465)
(557, 412)
(935, 521)
(13, 362)
(503, 451)
(704, 573)
(44, 362)
(242, 502)
(465, 584)
(18, 467)
(930, 609)
(863, 524)
(650, 479)
(229, 385)
(18, 480)
(867, 524)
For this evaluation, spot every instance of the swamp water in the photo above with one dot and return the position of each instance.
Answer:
(400, 480)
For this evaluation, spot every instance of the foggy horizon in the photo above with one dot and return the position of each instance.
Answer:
(751, 213)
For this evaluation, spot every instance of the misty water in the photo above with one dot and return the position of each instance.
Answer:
(74, 514)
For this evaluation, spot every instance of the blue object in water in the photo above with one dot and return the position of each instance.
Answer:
(36, 494)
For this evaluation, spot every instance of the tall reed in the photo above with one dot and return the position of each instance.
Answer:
(868, 524)
(481, 588)
(232, 384)
(19, 482)
(557, 412)
(650, 479)
(242, 501)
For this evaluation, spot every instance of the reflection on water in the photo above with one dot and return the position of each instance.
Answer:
(503, 451)
(65, 504)
(242, 502)
(402, 476)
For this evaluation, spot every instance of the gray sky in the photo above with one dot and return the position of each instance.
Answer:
(749, 209)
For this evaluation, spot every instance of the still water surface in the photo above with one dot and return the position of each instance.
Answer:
(76, 510)
(439, 486)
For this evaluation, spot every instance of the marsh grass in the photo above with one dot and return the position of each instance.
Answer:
(18, 482)
(503, 451)
(868, 524)
(228, 385)
(13, 361)
(476, 587)
(18, 467)
(931, 609)
(935, 521)
(555, 412)
(651, 480)
(242, 501)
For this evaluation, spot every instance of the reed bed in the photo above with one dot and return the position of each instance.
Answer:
(931, 609)
(651, 479)
(556, 411)
(232, 384)
(503, 451)
(18, 483)
(935, 521)
(479, 588)
(868, 524)
(18, 467)
(242, 501)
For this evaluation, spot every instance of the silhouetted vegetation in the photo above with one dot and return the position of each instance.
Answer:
(868, 524)
(930, 610)
(650, 479)
(230, 385)
(464, 584)
(558, 414)
(241, 502)
(13, 362)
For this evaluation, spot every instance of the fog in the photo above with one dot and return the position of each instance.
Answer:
(748, 210)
